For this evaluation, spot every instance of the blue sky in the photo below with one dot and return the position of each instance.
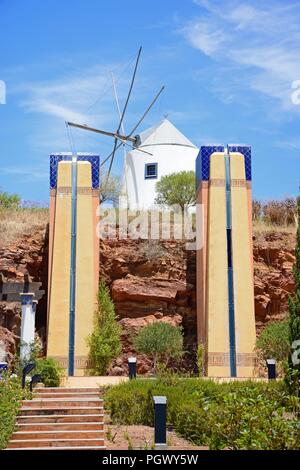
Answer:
(228, 68)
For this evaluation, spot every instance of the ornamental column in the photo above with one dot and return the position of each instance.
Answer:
(27, 324)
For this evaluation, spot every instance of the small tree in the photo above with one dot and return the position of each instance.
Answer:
(161, 341)
(293, 370)
(105, 340)
(110, 188)
(177, 189)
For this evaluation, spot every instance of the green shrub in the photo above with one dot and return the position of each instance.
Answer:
(9, 201)
(293, 366)
(235, 415)
(160, 341)
(273, 342)
(50, 371)
(104, 342)
(11, 395)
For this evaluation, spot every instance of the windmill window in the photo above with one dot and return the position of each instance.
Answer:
(150, 170)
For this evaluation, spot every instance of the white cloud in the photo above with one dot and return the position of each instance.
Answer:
(260, 40)
(204, 36)
(68, 97)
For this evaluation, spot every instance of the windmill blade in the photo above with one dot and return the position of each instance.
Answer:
(123, 112)
(137, 125)
(146, 112)
(112, 159)
(130, 89)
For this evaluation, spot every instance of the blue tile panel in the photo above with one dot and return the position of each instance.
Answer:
(246, 151)
(56, 158)
(203, 160)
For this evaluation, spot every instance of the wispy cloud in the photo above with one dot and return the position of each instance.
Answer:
(68, 97)
(261, 40)
(27, 172)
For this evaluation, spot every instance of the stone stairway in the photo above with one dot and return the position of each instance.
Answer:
(60, 419)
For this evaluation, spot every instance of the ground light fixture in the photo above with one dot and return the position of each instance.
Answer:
(271, 365)
(160, 422)
(132, 368)
(28, 368)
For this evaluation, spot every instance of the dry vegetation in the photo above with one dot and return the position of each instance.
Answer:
(271, 216)
(15, 223)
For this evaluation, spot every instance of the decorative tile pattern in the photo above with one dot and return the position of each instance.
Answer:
(246, 151)
(56, 158)
(203, 160)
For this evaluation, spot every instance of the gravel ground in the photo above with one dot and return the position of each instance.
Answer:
(142, 438)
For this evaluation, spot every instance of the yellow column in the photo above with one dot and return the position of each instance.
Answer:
(59, 290)
(85, 267)
(242, 269)
(217, 291)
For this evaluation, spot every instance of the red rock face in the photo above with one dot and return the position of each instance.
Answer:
(153, 282)
(273, 276)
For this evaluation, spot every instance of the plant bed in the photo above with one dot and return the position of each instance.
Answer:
(234, 415)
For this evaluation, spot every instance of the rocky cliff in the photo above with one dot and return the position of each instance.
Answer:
(151, 282)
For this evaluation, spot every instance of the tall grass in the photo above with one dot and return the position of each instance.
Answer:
(18, 222)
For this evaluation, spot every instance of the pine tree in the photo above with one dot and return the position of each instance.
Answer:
(293, 372)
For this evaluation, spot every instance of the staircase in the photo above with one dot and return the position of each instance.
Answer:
(60, 419)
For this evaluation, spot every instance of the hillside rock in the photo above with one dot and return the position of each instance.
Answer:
(274, 258)
(152, 282)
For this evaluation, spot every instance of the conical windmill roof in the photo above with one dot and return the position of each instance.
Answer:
(164, 133)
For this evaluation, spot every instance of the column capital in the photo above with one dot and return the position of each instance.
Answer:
(27, 298)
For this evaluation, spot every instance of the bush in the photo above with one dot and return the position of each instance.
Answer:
(11, 395)
(273, 342)
(50, 371)
(9, 201)
(236, 415)
(104, 342)
(280, 212)
(293, 368)
(161, 341)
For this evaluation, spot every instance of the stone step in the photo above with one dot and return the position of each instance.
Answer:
(61, 402)
(53, 435)
(27, 411)
(72, 426)
(66, 390)
(60, 448)
(61, 418)
(67, 395)
(46, 443)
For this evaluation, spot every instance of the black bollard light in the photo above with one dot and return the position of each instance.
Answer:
(28, 368)
(36, 378)
(271, 365)
(132, 368)
(160, 422)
